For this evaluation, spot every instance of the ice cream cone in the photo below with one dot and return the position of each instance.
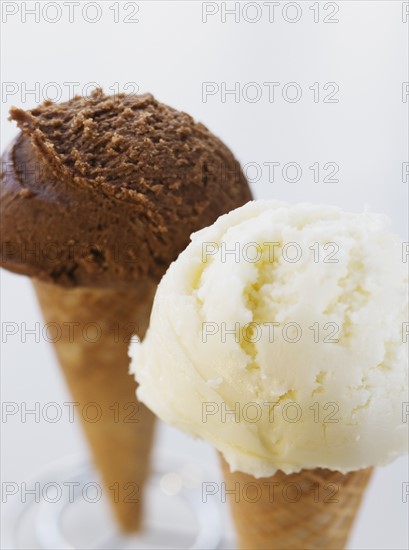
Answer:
(311, 509)
(273, 401)
(98, 194)
(94, 327)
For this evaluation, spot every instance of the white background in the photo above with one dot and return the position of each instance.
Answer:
(171, 52)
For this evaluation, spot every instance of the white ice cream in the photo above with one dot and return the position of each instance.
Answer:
(279, 335)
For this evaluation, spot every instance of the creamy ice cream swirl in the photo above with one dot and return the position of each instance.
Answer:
(279, 335)
(104, 191)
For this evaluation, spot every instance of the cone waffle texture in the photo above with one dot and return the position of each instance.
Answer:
(312, 509)
(95, 327)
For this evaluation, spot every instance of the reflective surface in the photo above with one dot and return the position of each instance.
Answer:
(72, 512)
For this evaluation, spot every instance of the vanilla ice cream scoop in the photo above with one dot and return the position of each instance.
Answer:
(280, 336)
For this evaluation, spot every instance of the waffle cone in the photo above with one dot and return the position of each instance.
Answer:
(312, 509)
(94, 328)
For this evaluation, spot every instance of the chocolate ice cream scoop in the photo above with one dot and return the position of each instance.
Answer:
(105, 191)
(98, 196)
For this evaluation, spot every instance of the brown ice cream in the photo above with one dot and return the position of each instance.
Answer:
(104, 191)
(98, 196)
